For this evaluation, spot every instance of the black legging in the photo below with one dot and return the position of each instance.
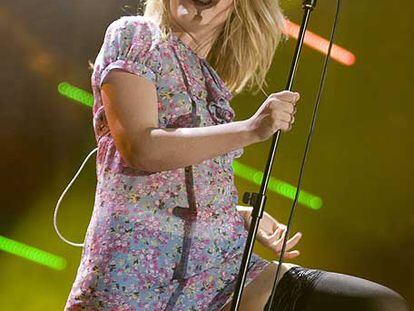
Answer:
(304, 289)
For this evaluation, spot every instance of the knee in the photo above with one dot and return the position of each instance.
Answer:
(358, 294)
(393, 301)
(386, 299)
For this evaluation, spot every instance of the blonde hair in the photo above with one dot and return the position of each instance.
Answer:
(244, 49)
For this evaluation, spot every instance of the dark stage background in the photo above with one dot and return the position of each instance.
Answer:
(360, 165)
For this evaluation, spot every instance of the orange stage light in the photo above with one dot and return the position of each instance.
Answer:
(320, 44)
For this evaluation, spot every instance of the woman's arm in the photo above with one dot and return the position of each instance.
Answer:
(131, 109)
(267, 222)
(245, 211)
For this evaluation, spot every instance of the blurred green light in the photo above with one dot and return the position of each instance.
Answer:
(75, 93)
(32, 253)
(283, 188)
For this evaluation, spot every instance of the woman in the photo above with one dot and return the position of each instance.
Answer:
(165, 233)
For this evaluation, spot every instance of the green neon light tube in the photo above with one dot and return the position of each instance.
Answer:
(32, 253)
(283, 188)
(75, 93)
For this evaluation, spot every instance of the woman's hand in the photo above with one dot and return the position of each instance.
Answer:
(276, 113)
(271, 234)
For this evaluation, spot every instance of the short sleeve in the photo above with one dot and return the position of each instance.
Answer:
(130, 45)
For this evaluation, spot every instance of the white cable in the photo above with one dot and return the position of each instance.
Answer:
(61, 198)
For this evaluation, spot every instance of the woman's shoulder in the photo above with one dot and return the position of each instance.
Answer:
(136, 25)
(131, 43)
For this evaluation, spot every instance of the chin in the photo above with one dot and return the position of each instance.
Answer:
(185, 11)
(184, 7)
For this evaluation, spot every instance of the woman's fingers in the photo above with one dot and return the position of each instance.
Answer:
(275, 224)
(291, 254)
(267, 239)
(283, 226)
(263, 237)
(274, 240)
(277, 245)
(268, 224)
(275, 235)
(293, 241)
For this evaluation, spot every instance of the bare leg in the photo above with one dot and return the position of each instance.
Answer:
(255, 294)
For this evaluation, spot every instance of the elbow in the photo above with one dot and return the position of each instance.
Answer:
(142, 159)
(135, 161)
(142, 163)
(135, 154)
(142, 154)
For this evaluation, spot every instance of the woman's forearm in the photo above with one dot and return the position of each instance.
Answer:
(171, 148)
(246, 212)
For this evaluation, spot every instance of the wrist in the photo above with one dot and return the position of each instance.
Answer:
(249, 132)
(245, 212)
(244, 209)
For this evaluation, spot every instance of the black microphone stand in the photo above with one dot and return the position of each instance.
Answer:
(258, 200)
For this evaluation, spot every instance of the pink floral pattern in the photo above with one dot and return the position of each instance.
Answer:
(134, 242)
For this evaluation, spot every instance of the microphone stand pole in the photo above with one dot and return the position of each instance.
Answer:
(258, 200)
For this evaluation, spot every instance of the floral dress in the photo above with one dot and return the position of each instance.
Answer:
(167, 240)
